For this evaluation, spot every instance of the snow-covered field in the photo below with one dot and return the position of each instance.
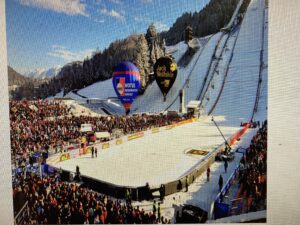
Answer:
(156, 158)
(201, 193)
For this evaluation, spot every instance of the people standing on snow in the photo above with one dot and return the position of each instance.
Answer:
(92, 152)
(158, 212)
(187, 183)
(225, 164)
(154, 207)
(96, 150)
(148, 192)
(208, 173)
(220, 183)
(179, 185)
(128, 196)
(162, 192)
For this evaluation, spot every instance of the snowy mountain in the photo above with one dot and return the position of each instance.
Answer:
(43, 73)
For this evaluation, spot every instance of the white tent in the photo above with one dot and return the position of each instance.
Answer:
(100, 135)
(193, 104)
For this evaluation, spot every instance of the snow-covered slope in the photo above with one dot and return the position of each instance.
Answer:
(101, 90)
(261, 113)
(239, 93)
(58, 95)
(235, 54)
(152, 100)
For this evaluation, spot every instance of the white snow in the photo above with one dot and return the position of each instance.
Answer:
(101, 90)
(201, 193)
(239, 93)
(58, 95)
(77, 98)
(261, 113)
(142, 160)
(195, 71)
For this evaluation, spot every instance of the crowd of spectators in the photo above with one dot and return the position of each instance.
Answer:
(40, 125)
(253, 171)
(51, 201)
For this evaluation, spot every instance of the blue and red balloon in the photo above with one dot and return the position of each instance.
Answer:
(127, 82)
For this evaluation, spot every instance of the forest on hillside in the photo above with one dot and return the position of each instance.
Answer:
(215, 15)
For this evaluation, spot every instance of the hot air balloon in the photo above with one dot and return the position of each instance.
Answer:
(126, 81)
(165, 72)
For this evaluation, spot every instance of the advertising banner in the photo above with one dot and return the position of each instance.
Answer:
(105, 145)
(64, 156)
(119, 141)
(86, 127)
(135, 136)
(155, 130)
(170, 127)
(89, 149)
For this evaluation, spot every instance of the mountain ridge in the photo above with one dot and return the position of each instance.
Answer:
(43, 73)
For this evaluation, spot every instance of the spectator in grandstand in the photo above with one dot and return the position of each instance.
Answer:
(61, 202)
(253, 170)
(148, 192)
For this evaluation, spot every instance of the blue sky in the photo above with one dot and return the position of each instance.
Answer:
(47, 33)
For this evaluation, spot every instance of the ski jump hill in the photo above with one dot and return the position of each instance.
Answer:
(228, 75)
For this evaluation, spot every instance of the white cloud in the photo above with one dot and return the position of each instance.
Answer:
(68, 7)
(59, 51)
(112, 13)
(161, 26)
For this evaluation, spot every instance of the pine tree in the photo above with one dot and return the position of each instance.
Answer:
(142, 59)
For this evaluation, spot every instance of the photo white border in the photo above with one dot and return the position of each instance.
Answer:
(6, 204)
(283, 180)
